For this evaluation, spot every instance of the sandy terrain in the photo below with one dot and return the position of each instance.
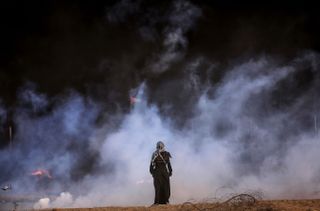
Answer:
(234, 203)
(275, 205)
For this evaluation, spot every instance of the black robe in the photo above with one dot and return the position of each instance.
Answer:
(161, 170)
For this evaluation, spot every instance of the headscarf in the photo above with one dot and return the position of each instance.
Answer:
(160, 146)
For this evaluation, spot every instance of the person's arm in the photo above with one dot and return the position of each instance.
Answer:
(169, 168)
(169, 165)
(151, 168)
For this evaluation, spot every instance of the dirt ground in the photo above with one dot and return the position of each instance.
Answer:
(263, 205)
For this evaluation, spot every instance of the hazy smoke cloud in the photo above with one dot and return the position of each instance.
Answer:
(56, 142)
(181, 19)
(236, 138)
(42, 204)
(226, 144)
(247, 124)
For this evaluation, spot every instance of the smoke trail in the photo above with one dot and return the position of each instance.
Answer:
(178, 20)
(182, 17)
(251, 124)
(225, 145)
(236, 138)
(55, 141)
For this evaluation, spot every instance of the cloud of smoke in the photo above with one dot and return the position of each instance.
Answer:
(226, 144)
(42, 204)
(236, 139)
(51, 141)
(63, 200)
(181, 19)
(253, 128)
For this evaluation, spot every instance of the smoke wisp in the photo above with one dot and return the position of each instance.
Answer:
(248, 124)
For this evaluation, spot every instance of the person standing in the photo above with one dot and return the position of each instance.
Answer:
(161, 171)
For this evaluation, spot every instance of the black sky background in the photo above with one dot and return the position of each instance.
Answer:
(63, 45)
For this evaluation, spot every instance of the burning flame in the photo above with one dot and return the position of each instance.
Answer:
(41, 172)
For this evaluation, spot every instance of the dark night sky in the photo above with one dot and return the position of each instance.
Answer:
(72, 45)
(62, 44)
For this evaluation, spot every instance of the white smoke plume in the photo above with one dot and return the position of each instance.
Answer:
(232, 140)
(181, 19)
(251, 129)
(211, 151)
(224, 145)
(42, 204)
(63, 200)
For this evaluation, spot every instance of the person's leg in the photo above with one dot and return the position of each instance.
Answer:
(157, 190)
(162, 194)
(167, 190)
(164, 190)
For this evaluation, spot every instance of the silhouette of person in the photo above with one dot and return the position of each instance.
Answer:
(161, 170)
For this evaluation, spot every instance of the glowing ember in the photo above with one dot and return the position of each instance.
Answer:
(41, 172)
